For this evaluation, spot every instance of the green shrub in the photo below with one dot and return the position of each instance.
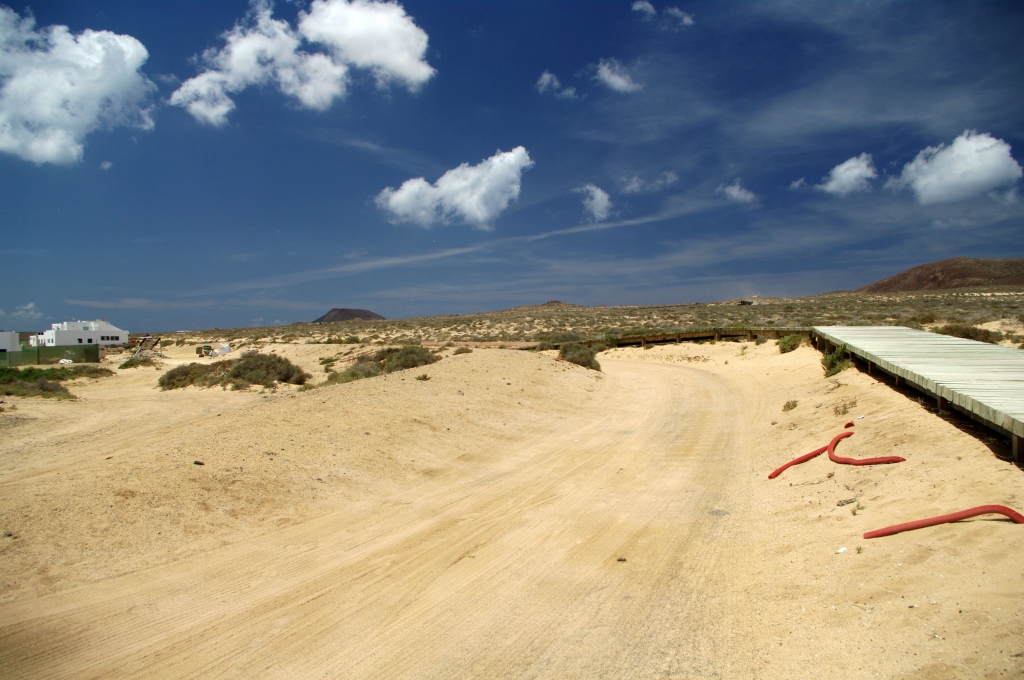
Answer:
(789, 343)
(9, 374)
(328, 360)
(399, 358)
(462, 350)
(578, 354)
(266, 369)
(958, 330)
(200, 375)
(253, 369)
(357, 371)
(35, 388)
(136, 362)
(835, 361)
(423, 376)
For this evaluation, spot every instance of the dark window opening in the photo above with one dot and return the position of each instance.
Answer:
(79, 341)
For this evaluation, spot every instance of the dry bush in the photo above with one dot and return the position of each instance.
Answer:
(957, 330)
(253, 369)
(578, 354)
(835, 362)
(138, 362)
(789, 343)
(789, 405)
(844, 406)
(462, 350)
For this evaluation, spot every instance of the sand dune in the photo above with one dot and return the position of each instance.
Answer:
(472, 525)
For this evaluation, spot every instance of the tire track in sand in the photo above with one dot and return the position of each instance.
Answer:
(512, 573)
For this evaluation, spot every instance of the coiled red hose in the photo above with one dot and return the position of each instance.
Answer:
(880, 460)
(943, 519)
(831, 448)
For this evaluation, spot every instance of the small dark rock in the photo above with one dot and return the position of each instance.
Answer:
(846, 501)
(198, 462)
(621, 559)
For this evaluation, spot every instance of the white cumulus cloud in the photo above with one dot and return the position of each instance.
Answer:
(262, 50)
(849, 176)
(476, 194)
(632, 184)
(645, 8)
(28, 312)
(672, 18)
(56, 87)
(736, 192)
(378, 36)
(613, 75)
(972, 165)
(677, 18)
(549, 82)
(596, 202)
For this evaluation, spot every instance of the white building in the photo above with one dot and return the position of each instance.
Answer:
(80, 333)
(9, 341)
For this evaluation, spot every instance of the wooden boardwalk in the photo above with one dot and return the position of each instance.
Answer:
(981, 380)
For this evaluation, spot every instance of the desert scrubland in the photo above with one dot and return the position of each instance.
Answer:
(513, 516)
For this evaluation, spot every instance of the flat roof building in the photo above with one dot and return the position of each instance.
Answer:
(80, 333)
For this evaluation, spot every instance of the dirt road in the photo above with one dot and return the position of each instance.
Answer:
(511, 573)
(472, 525)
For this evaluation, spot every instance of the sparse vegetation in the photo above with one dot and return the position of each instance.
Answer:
(835, 361)
(580, 355)
(386, 361)
(357, 371)
(138, 362)
(423, 376)
(462, 350)
(251, 369)
(970, 333)
(789, 405)
(551, 324)
(789, 343)
(844, 406)
(33, 381)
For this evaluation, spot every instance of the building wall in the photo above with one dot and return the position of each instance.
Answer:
(9, 341)
(81, 333)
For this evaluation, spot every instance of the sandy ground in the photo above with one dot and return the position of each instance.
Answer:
(512, 517)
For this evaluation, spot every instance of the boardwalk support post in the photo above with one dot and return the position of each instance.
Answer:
(1018, 449)
(941, 403)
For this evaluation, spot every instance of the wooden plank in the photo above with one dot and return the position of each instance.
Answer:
(983, 379)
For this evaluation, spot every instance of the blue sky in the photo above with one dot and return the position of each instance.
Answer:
(189, 164)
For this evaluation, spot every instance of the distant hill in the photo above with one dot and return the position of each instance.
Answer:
(958, 272)
(347, 315)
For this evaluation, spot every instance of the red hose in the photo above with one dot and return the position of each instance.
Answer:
(943, 519)
(849, 424)
(855, 461)
(802, 459)
(836, 459)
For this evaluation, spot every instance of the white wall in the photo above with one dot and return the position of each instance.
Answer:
(9, 341)
(82, 333)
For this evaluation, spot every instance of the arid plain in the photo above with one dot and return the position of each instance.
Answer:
(514, 516)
